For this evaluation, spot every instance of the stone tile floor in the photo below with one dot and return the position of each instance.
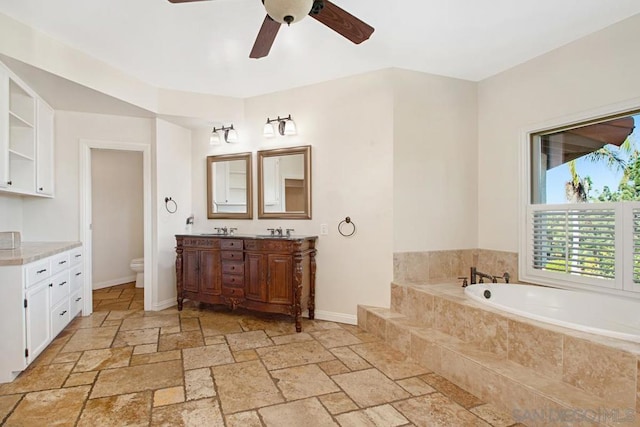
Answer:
(207, 366)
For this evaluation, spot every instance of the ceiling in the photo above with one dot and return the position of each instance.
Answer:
(204, 46)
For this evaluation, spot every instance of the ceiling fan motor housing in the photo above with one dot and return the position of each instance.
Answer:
(288, 11)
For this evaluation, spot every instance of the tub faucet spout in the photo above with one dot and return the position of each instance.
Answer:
(475, 274)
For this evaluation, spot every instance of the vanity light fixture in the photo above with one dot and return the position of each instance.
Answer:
(286, 126)
(229, 133)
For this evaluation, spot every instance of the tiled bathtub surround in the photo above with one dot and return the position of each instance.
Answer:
(520, 365)
(203, 367)
(439, 266)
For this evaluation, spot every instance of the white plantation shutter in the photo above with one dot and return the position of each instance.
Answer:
(636, 246)
(575, 241)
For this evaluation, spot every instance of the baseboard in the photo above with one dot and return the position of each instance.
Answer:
(114, 282)
(349, 319)
(162, 305)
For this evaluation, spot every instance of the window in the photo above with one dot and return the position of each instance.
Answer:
(583, 210)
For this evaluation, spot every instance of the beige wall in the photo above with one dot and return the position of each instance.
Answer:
(10, 213)
(348, 123)
(117, 206)
(58, 219)
(567, 84)
(434, 163)
(172, 166)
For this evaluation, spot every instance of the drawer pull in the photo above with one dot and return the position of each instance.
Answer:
(78, 299)
(51, 285)
(62, 284)
(63, 313)
(77, 274)
(62, 262)
(41, 271)
(78, 255)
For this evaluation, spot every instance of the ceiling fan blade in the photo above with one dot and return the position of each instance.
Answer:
(343, 23)
(265, 39)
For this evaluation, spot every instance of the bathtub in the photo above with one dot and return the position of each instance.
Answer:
(584, 311)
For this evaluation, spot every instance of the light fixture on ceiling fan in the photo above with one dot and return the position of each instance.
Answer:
(290, 11)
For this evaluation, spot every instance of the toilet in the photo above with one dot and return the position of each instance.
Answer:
(137, 265)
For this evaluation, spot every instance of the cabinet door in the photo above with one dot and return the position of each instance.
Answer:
(210, 273)
(37, 319)
(279, 279)
(190, 267)
(44, 158)
(254, 276)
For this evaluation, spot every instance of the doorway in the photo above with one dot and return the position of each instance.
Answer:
(86, 213)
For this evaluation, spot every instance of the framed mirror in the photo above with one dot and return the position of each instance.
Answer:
(284, 183)
(229, 186)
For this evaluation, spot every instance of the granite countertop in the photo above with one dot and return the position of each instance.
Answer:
(247, 236)
(33, 251)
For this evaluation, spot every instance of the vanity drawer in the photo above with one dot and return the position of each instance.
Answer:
(75, 303)
(232, 267)
(60, 317)
(232, 280)
(76, 256)
(233, 292)
(59, 262)
(75, 275)
(234, 244)
(38, 271)
(232, 255)
(59, 287)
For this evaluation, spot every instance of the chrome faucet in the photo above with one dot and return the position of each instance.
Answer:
(289, 230)
(231, 230)
(279, 231)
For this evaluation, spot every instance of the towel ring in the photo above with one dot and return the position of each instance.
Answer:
(170, 208)
(342, 225)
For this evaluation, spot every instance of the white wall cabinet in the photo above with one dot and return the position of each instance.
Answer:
(44, 148)
(39, 299)
(26, 138)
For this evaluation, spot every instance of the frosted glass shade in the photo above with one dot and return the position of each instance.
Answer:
(288, 11)
(214, 139)
(290, 127)
(269, 131)
(231, 135)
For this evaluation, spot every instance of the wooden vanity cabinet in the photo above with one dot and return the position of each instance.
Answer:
(269, 275)
(200, 261)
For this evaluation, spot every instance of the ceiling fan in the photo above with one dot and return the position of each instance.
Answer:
(289, 11)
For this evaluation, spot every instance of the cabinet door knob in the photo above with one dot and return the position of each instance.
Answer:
(9, 182)
(40, 189)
